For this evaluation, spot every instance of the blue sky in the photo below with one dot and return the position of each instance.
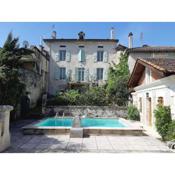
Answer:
(153, 33)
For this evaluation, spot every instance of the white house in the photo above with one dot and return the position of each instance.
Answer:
(80, 60)
(152, 82)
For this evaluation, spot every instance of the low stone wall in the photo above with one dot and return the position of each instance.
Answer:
(90, 111)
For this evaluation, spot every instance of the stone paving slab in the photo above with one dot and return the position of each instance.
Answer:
(94, 144)
(108, 144)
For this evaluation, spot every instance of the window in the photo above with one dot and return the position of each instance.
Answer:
(62, 73)
(99, 73)
(160, 101)
(80, 74)
(62, 46)
(140, 104)
(99, 55)
(62, 55)
(81, 55)
(81, 46)
(100, 46)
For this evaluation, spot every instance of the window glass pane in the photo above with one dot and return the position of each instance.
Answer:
(99, 73)
(62, 73)
(99, 55)
(62, 55)
(80, 74)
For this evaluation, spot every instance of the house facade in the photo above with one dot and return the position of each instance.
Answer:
(80, 60)
(34, 73)
(153, 82)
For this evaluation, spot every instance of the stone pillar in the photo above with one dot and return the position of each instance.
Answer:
(4, 126)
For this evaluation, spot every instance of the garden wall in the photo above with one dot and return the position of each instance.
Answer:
(90, 111)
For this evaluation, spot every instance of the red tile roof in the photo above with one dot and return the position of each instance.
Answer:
(163, 65)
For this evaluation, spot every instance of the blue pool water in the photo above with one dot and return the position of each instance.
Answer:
(85, 122)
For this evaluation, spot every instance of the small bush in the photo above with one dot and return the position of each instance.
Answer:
(133, 113)
(163, 120)
(171, 131)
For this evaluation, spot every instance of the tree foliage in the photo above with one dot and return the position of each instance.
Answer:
(163, 120)
(117, 82)
(10, 85)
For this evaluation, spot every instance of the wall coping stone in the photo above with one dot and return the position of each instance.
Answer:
(4, 108)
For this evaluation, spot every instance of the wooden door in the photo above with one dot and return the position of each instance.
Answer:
(149, 111)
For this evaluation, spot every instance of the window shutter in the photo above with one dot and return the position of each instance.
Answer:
(57, 73)
(68, 75)
(76, 74)
(83, 55)
(105, 54)
(57, 56)
(87, 75)
(95, 57)
(79, 56)
(105, 74)
(68, 56)
(95, 74)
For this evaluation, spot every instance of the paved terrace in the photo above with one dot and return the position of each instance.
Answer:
(62, 143)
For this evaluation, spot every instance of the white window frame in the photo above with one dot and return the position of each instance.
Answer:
(62, 73)
(81, 74)
(62, 57)
(100, 56)
(100, 72)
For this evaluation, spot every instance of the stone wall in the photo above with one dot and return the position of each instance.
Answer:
(89, 111)
(33, 82)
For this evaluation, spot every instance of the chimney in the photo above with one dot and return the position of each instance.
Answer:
(112, 33)
(130, 40)
(54, 34)
(81, 35)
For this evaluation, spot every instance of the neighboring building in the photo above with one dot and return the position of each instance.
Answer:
(80, 60)
(153, 82)
(34, 73)
(147, 52)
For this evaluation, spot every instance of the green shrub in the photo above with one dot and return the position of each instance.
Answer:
(171, 131)
(59, 100)
(71, 96)
(133, 113)
(163, 120)
(94, 96)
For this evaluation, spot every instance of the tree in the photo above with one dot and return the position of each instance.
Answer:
(118, 77)
(11, 87)
(163, 120)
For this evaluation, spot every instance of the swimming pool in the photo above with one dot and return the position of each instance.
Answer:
(85, 122)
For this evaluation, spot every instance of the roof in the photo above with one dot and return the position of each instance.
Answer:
(161, 64)
(121, 47)
(28, 59)
(165, 66)
(152, 49)
(79, 40)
